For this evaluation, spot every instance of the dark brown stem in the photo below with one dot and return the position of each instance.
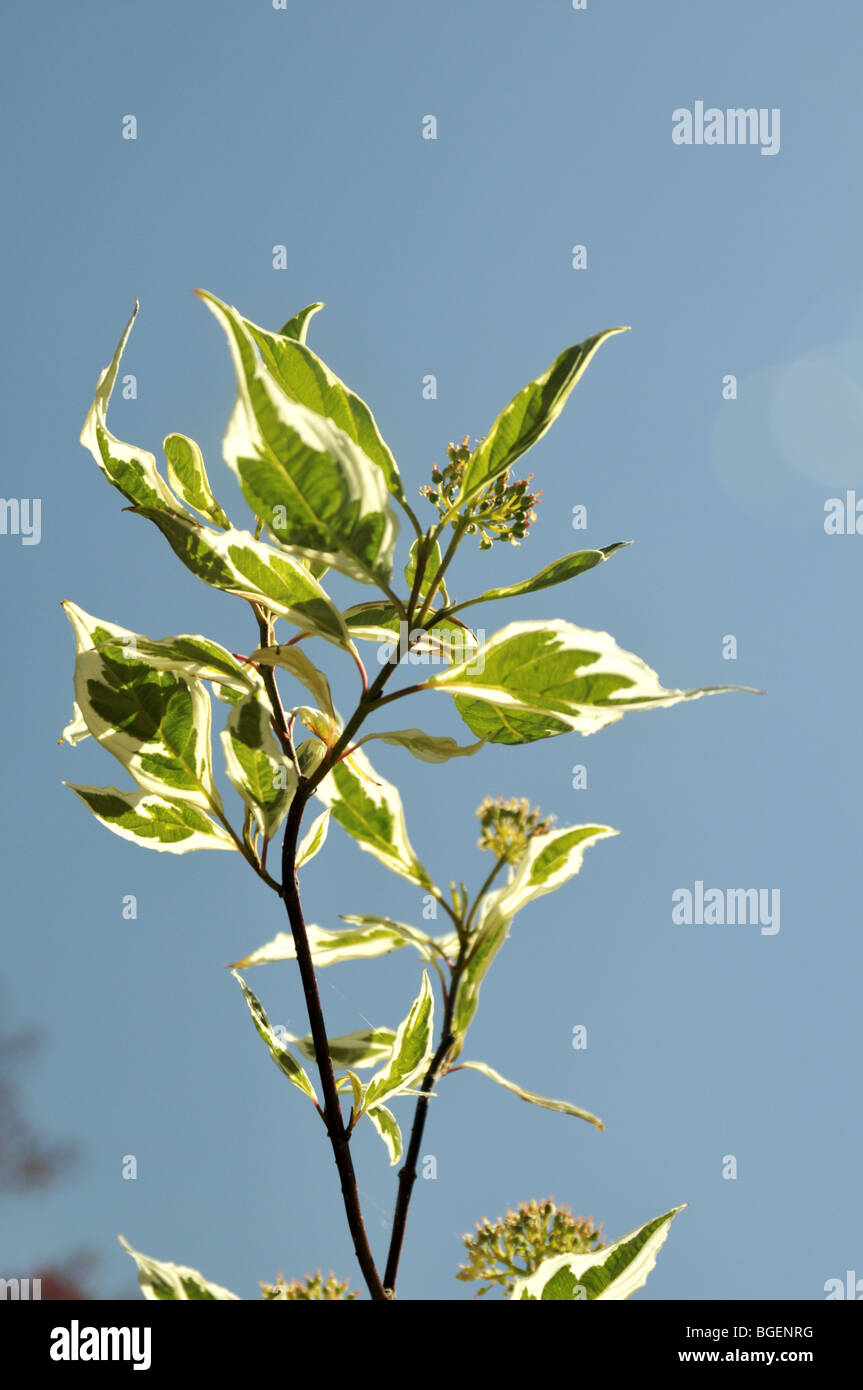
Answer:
(408, 1173)
(339, 1136)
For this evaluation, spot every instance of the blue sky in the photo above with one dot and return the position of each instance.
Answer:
(453, 256)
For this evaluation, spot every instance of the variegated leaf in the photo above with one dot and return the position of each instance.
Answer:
(156, 723)
(295, 661)
(255, 764)
(534, 680)
(76, 729)
(550, 860)
(387, 1127)
(329, 947)
(615, 1272)
(132, 471)
(313, 840)
(304, 476)
(308, 381)
(429, 748)
(370, 809)
(188, 477)
(563, 1106)
(164, 1282)
(281, 1055)
(365, 1047)
(298, 325)
(155, 822)
(235, 562)
(411, 1052)
(558, 572)
(529, 415)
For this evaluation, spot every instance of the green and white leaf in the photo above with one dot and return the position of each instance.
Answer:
(529, 414)
(308, 381)
(281, 1055)
(364, 1048)
(616, 1272)
(429, 748)
(132, 471)
(155, 822)
(558, 572)
(329, 947)
(294, 660)
(370, 809)
(447, 640)
(164, 1282)
(313, 840)
(255, 764)
(188, 477)
(550, 860)
(433, 564)
(156, 723)
(195, 657)
(410, 936)
(388, 1128)
(76, 729)
(298, 326)
(541, 679)
(411, 1051)
(235, 562)
(563, 1106)
(310, 481)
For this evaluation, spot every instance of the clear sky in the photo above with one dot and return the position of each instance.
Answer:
(303, 128)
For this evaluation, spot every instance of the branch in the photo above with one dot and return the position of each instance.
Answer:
(408, 1173)
(339, 1136)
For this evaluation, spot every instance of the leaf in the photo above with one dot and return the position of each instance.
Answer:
(535, 680)
(313, 841)
(236, 562)
(76, 729)
(387, 1127)
(164, 1282)
(556, 573)
(188, 477)
(156, 723)
(295, 661)
(298, 326)
(308, 381)
(433, 564)
(328, 947)
(613, 1273)
(529, 415)
(370, 810)
(156, 822)
(363, 1048)
(550, 860)
(427, 747)
(410, 936)
(313, 485)
(197, 658)
(255, 764)
(281, 1055)
(447, 639)
(561, 1105)
(132, 471)
(411, 1053)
